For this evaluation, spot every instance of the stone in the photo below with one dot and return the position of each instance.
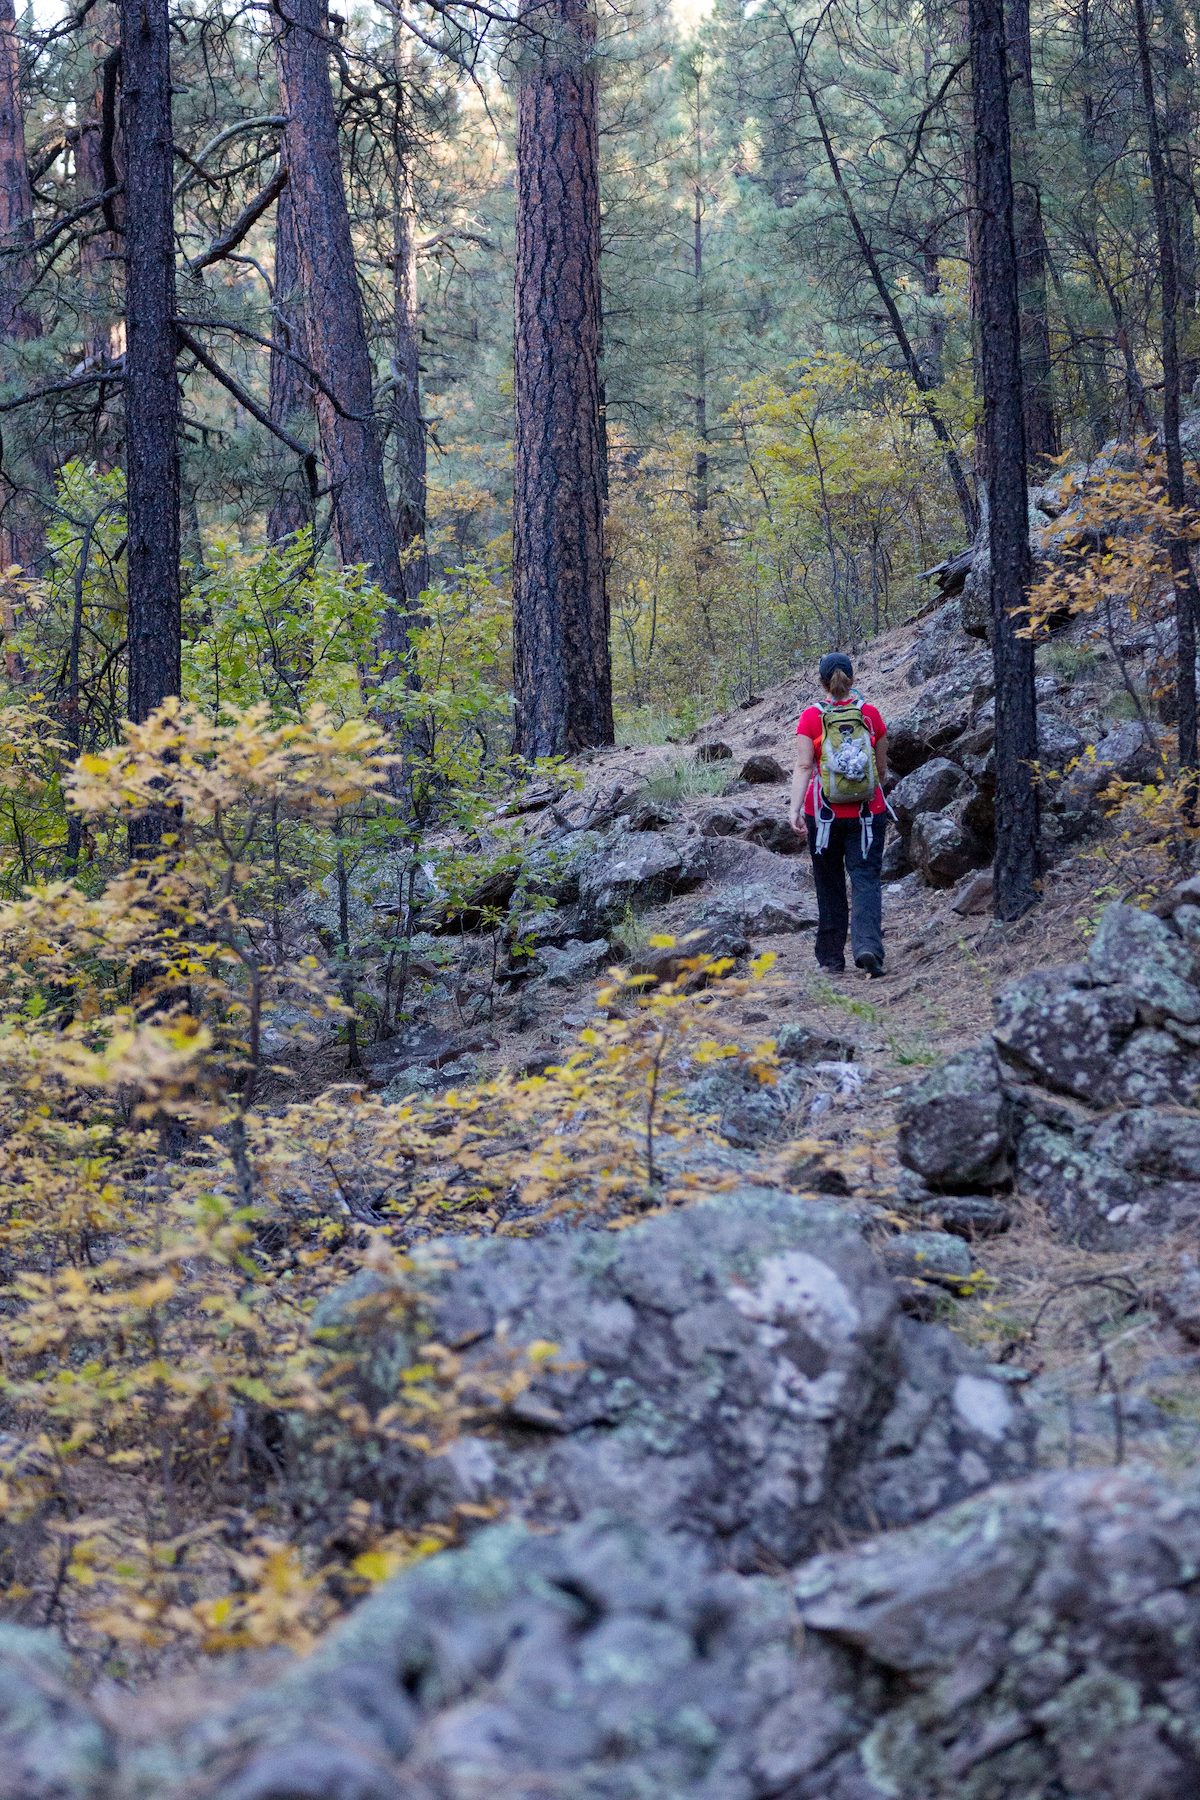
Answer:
(574, 961)
(1124, 751)
(935, 721)
(799, 1043)
(941, 848)
(52, 1745)
(775, 834)
(1131, 1177)
(973, 895)
(421, 1047)
(974, 603)
(736, 1370)
(937, 1256)
(637, 869)
(747, 1112)
(955, 1125)
(1180, 1304)
(1062, 1033)
(966, 1215)
(1058, 741)
(764, 913)
(1152, 1069)
(896, 864)
(1143, 956)
(1037, 1642)
(761, 769)
(713, 934)
(929, 789)
(713, 751)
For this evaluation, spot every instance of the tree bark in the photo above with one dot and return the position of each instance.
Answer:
(1177, 127)
(408, 421)
(561, 664)
(1041, 422)
(334, 321)
(20, 534)
(1017, 823)
(290, 398)
(151, 381)
(1187, 596)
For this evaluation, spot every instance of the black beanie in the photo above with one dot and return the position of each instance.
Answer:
(836, 659)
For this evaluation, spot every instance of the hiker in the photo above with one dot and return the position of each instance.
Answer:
(841, 759)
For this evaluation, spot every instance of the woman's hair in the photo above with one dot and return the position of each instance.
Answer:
(837, 674)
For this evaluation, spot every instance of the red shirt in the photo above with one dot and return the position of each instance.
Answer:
(810, 726)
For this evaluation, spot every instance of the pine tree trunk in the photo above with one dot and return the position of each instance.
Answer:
(1017, 822)
(20, 535)
(1178, 123)
(103, 334)
(1041, 423)
(408, 421)
(290, 398)
(561, 663)
(1187, 596)
(333, 312)
(151, 382)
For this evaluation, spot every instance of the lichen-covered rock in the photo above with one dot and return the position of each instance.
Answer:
(941, 714)
(1062, 1032)
(737, 1370)
(955, 1126)
(1135, 951)
(52, 1745)
(1041, 1641)
(576, 960)
(1128, 1176)
(1038, 1642)
(942, 848)
(604, 1662)
(747, 1112)
(1058, 741)
(928, 789)
(637, 869)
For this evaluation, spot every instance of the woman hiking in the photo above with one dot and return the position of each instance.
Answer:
(841, 759)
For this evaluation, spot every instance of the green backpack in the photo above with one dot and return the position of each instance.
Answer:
(847, 773)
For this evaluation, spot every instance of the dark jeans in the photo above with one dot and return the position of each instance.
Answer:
(862, 915)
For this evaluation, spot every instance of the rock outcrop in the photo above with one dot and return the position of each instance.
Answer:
(1041, 1641)
(738, 1371)
(1086, 1091)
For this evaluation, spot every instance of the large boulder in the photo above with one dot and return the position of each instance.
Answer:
(637, 869)
(1038, 1642)
(1041, 1641)
(929, 789)
(937, 718)
(1061, 1031)
(955, 1126)
(1138, 954)
(1075, 805)
(1131, 1177)
(737, 1370)
(942, 847)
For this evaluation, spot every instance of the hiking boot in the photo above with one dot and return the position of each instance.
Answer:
(871, 963)
(831, 968)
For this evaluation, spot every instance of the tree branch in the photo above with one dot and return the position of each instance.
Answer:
(307, 455)
(249, 216)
